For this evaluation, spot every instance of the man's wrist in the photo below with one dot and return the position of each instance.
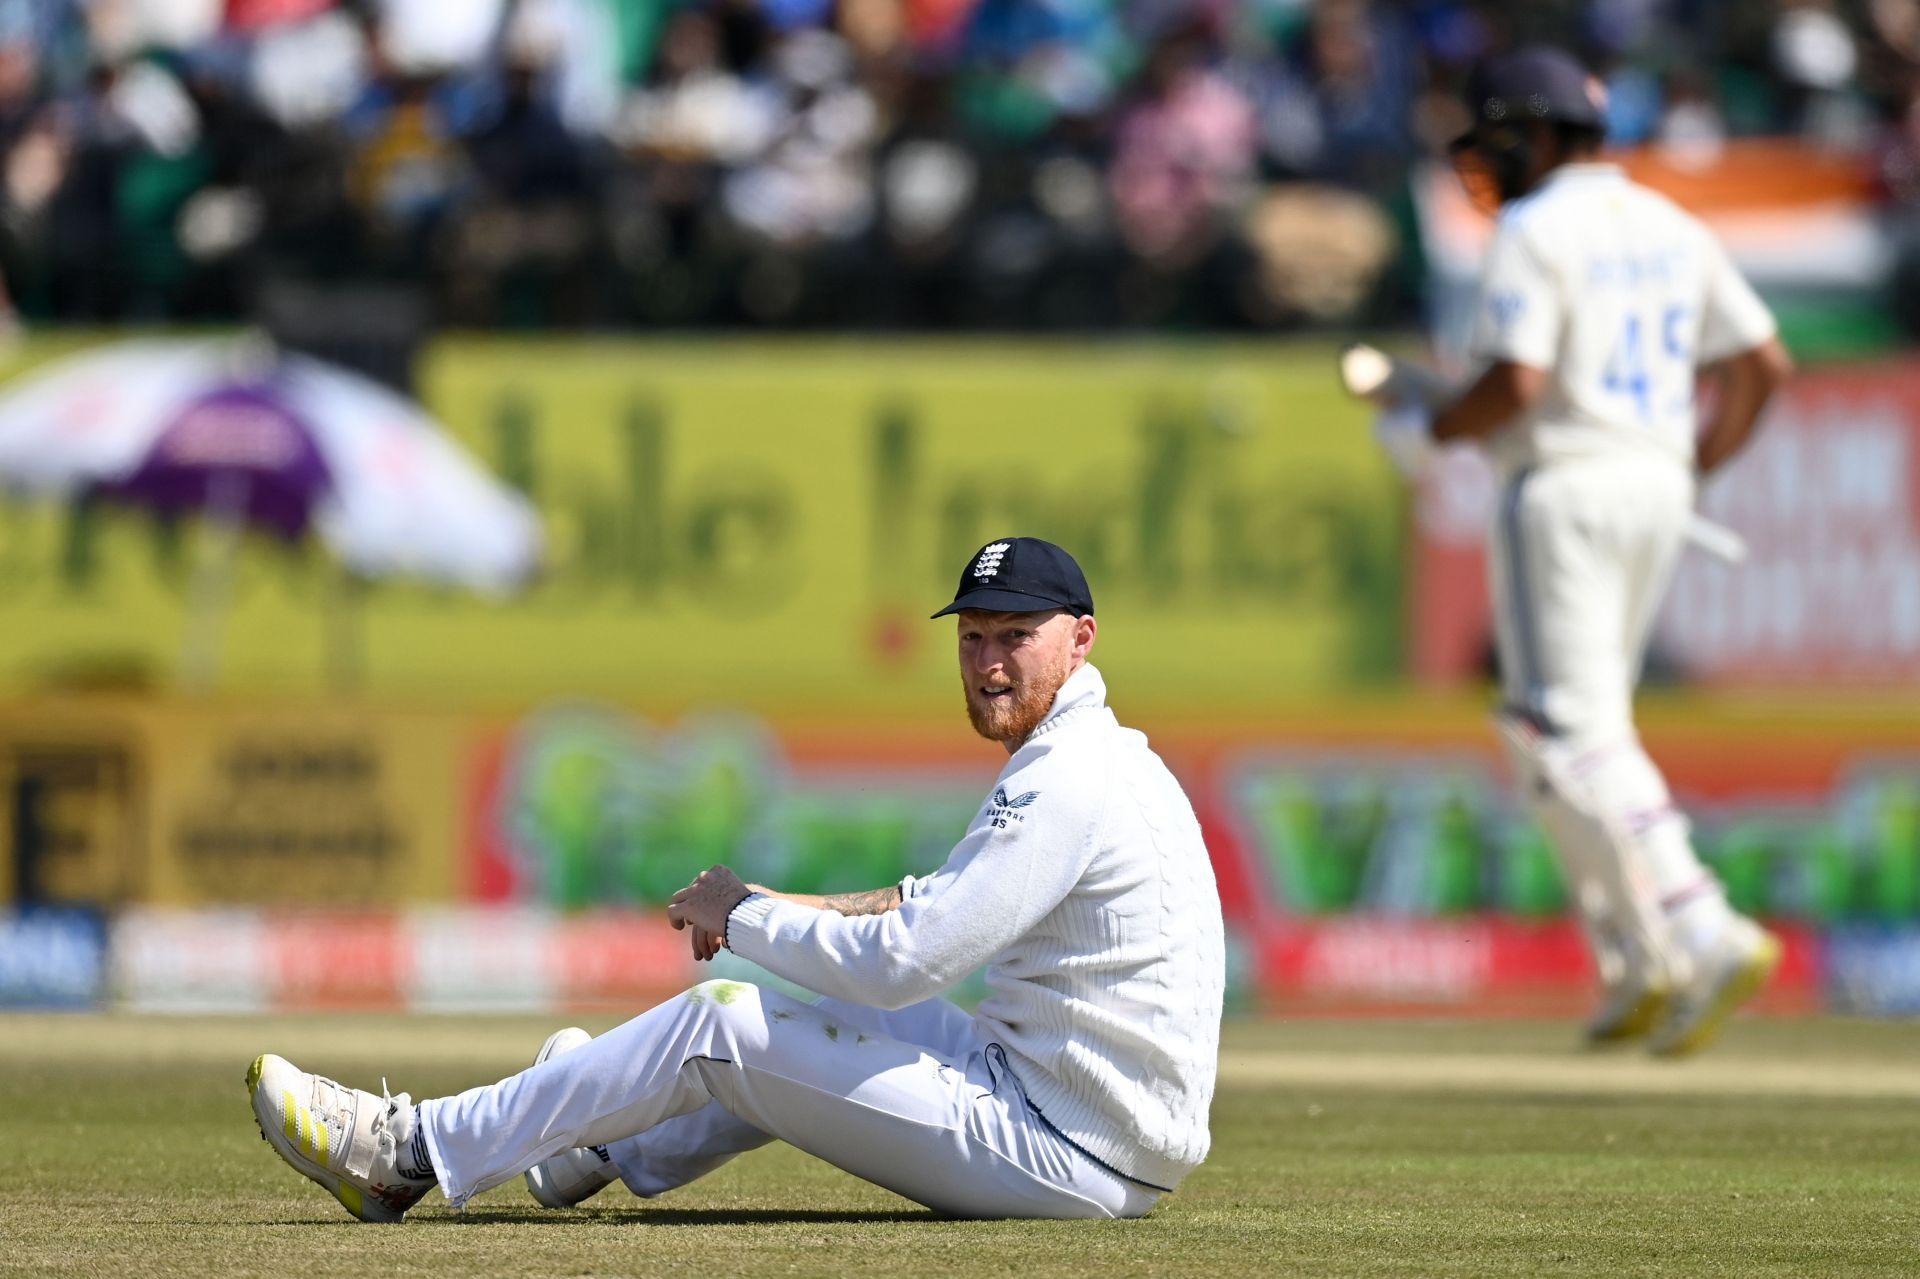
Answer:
(726, 921)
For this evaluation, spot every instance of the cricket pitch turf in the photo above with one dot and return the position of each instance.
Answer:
(1340, 1148)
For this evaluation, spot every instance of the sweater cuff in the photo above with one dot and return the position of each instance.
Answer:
(751, 914)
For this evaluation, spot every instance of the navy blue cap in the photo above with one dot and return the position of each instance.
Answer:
(1538, 82)
(1021, 575)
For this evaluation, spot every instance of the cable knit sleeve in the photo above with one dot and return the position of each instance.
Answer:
(1027, 848)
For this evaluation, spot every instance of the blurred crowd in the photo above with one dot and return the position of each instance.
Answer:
(848, 163)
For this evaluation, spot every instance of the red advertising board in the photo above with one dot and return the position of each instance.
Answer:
(1392, 964)
(335, 960)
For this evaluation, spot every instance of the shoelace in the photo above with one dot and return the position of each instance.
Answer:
(382, 1128)
(382, 1125)
(332, 1103)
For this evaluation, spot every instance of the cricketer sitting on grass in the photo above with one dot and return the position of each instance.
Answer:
(1600, 302)
(1080, 1088)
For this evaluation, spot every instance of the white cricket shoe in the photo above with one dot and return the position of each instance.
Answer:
(1628, 1010)
(1728, 975)
(576, 1175)
(341, 1137)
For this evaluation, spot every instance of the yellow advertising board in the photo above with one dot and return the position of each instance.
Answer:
(771, 524)
(320, 806)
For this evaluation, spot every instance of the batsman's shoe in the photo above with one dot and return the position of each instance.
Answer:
(1729, 975)
(1628, 1010)
(341, 1137)
(576, 1175)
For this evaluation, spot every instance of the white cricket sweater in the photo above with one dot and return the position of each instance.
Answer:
(1084, 886)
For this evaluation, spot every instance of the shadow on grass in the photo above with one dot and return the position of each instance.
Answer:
(668, 1217)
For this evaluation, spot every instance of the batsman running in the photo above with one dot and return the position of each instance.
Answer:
(1603, 305)
(1079, 1088)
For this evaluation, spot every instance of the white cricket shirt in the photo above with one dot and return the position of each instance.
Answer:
(1084, 886)
(1620, 295)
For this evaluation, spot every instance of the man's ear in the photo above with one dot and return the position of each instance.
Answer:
(1084, 630)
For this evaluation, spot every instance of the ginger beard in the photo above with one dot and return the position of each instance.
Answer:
(1010, 716)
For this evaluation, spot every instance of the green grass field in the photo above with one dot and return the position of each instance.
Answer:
(1340, 1148)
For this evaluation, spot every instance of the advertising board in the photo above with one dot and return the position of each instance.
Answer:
(771, 523)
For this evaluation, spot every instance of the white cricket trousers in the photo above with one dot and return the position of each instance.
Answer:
(1583, 551)
(912, 1100)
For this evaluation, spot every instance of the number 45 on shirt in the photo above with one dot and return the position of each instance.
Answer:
(1639, 366)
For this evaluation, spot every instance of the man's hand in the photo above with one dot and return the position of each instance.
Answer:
(1743, 384)
(705, 944)
(704, 906)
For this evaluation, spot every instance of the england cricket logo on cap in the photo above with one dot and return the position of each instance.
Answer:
(989, 561)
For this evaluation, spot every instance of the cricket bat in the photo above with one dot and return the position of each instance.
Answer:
(1717, 540)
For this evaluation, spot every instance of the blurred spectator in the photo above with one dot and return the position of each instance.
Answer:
(1183, 155)
(1321, 252)
(1364, 70)
(522, 244)
(810, 180)
(1691, 131)
(405, 167)
(1816, 58)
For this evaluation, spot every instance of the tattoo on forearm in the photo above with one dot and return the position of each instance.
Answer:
(877, 901)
